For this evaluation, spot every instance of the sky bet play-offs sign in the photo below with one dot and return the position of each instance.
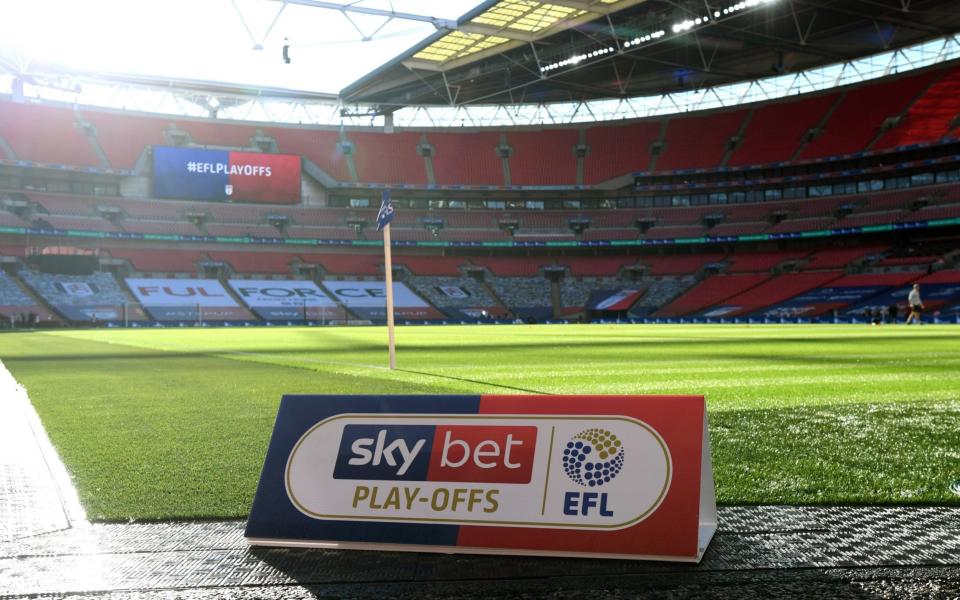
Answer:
(607, 476)
(221, 175)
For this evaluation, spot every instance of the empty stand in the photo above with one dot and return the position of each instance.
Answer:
(679, 265)
(257, 262)
(159, 260)
(837, 258)
(388, 158)
(207, 132)
(45, 134)
(712, 291)
(857, 120)
(347, 264)
(776, 130)
(760, 262)
(929, 118)
(617, 150)
(543, 157)
(124, 137)
(467, 158)
(317, 145)
(431, 265)
(778, 289)
(698, 142)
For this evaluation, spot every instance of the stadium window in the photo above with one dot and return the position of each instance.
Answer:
(359, 203)
(718, 198)
(457, 204)
(816, 191)
(921, 179)
(533, 204)
(792, 193)
(626, 202)
(772, 194)
(662, 201)
(738, 197)
(680, 200)
(571, 204)
(948, 176)
(755, 196)
(495, 204)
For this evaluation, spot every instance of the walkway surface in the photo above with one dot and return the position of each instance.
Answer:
(47, 549)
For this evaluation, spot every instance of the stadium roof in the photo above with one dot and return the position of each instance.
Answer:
(518, 51)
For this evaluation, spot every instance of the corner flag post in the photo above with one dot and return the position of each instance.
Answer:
(383, 224)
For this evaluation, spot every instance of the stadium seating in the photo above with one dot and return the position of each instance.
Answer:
(317, 145)
(777, 290)
(678, 264)
(760, 262)
(837, 258)
(13, 301)
(388, 158)
(347, 264)
(776, 130)
(205, 132)
(466, 158)
(431, 265)
(698, 142)
(278, 263)
(95, 297)
(123, 137)
(159, 260)
(45, 134)
(713, 290)
(475, 296)
(617, 150)
(543, 157)
(856, 121)
(929, 118)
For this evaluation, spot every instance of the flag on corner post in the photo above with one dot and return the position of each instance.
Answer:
(386, 211)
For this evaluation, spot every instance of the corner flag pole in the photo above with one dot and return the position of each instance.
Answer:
(388, 270)
(383, 223)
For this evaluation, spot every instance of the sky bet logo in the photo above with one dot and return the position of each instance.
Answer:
(453, 453)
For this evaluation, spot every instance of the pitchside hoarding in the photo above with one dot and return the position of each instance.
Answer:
(368, 300)
(280, 300)
(186, 299)
(221, 175)
(600, 476)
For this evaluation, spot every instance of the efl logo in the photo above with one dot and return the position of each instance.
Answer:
(593, 457)
(453, 453)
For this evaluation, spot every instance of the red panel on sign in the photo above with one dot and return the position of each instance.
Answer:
(670, 530)
(273, 178)
(480, 453)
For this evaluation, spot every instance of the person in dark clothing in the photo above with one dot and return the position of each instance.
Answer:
(893, 311)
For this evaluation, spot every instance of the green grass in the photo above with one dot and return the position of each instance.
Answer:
(174, 423)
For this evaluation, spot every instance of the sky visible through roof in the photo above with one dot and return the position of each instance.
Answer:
(208, 40)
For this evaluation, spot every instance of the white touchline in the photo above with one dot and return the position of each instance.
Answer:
(14, 395)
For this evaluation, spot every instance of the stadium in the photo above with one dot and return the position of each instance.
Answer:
(734, 200)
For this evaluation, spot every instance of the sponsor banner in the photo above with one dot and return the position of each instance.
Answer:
(821, 300)
(482, 312)
(412, 313)
(373, 294)
(180, 292)
(602, 476)
(193, 314)
(313, 313)
(934, 295)
(262, 293)
(720, 312)
(221, 175)
(101, 313)
(453, 291)
(613, 300)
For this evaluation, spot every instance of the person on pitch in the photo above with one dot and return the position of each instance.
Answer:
(916, 304)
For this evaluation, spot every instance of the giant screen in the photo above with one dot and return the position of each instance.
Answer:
(221, 175)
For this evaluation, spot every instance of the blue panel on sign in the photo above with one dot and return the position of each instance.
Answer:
(384, 452)
(189, 173)
(274, 516)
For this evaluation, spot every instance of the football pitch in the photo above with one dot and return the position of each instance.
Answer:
(174, 423)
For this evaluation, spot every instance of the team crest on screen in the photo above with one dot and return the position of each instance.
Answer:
(593, 457)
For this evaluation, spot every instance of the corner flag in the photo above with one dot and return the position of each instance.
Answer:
(383, 224)
(386, 211)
